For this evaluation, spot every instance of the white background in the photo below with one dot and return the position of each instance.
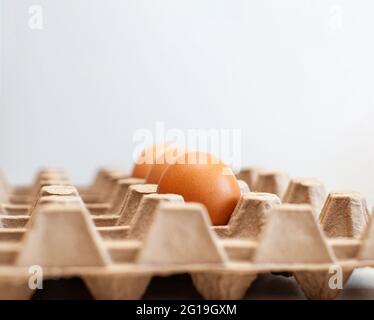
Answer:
(296, 76)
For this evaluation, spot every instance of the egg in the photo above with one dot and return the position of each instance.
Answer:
(146, 160)
(162, 163)
(200, 177)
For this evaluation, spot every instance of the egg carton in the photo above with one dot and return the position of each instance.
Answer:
(106, 199)
(160, 235)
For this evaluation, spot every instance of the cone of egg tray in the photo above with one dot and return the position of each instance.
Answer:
(249, 175)
(225, 258)
(99, 195)
(106, 196)
(23, 194)
(109, 181)
(16, 203)
(306, 190)
(99, 183)
(271, 181)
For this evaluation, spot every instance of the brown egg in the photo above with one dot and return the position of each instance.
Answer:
(167, 158)
(147, 159)
(200, 177)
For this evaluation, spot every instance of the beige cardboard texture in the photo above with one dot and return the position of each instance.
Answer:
(345, 214)
(249, 216)
(184, 221)
(146, 212)
(148, 234)
(60, 236)
(133, 198)
(249, 175)
(271, 182)
(306, 191)
(292, 235)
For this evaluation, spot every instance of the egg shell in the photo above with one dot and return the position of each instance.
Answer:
(146, 160)
(169, 157)
(209, 182)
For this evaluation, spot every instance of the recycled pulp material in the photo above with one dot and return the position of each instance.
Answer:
(118, 248)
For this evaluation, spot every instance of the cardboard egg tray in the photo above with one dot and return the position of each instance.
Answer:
(118, 233)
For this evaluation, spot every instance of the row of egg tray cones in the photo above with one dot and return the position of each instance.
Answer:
(118, 233)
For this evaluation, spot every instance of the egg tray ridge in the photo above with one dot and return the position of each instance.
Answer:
(116, 255)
